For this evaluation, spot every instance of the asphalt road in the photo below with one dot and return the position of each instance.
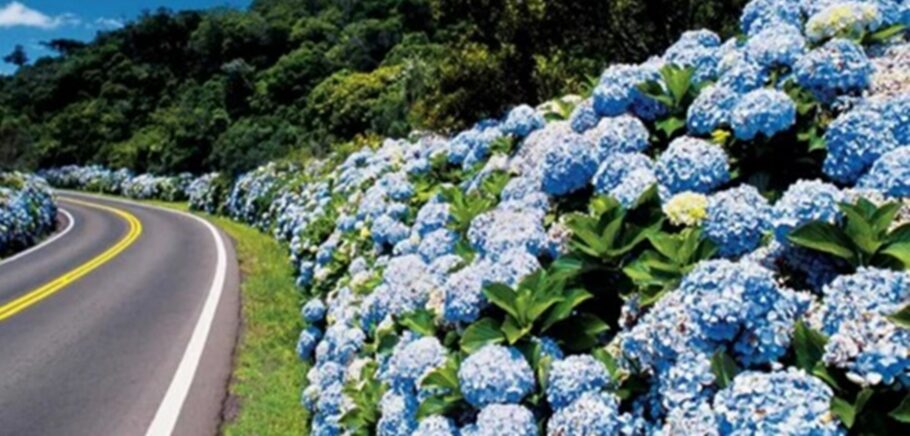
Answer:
(107, 353)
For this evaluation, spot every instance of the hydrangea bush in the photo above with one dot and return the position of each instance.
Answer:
(714, 241)
(28, 211)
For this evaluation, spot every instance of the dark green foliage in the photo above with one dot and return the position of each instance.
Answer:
(227, 89)
(865, 238)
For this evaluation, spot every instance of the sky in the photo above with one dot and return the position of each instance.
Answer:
(29, 22)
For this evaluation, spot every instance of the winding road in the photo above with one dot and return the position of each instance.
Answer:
(124, 323)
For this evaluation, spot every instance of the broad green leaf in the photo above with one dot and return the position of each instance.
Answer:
(513, 330)
(670, 126)
(503, 297)
(446, 376)
(824, 237)
(843, 410)
(665, 243)
(438, 405)
(900, 234)
(420, 321)
(483, 332)
(883, 216)
(809, 346)
(608, 360)
(561, 311)
(899, 251)
(859, 230)
(901, 317)
(902, 411)
(541, 304)
(724, 368)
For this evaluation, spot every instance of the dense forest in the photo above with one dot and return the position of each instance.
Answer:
(229, 89)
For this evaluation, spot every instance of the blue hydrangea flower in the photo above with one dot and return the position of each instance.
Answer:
(512, 266)
(625, 177)
(689, 382)
(495, 374)
(399, 414)
(568, 165)
(737, 219)
(776, 46)
(838, 67)
(855, 141)
(412, 362)
(861, 339)
(432, 216)
(502, 230)
(573, 376)
(583, 116)
(388, 231)
(697, 49)
(591, 414)
(437, 244)
(691, 164)
(896, 111)
(711, 109)
(340, 344)
(743, 76)
(621, 134)
(618, 92)
(307, 341)
(504, 420)
(436, 425)
(764, 111)
(463, 293)
(761, 14)
(313, 311)
(890, 174)
(805, 201)
(522, 120)
(782, 402)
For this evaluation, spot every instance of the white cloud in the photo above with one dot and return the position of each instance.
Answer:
(108, 23)
(17, 14)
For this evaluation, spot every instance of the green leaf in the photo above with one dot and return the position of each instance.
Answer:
(580, 332)
(900, 234)
(420, 321)
(824, 237)
(482, 332)
(513, 331)
(665, 243)
(859, 230)
(608, 360)
(847, 411)
(503, 297)
(881, 219)
(724, 368)
(438, 405)
(809, 346)
(901, 413)
(445, 376)
(670, 125)
(885, 34)
(899, 251)
(561, 311)
(901, 317)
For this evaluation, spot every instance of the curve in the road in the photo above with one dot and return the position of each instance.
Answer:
(137, 342)
(35, 296)
(70, 223)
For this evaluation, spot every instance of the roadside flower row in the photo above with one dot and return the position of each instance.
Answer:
(715, 241)
(28, 211)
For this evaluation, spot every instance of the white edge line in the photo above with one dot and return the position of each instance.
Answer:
(169, 410)
(71, 222)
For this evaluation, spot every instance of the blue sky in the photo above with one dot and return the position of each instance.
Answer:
(29, 22)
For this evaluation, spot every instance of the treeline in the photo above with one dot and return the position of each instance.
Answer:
(227, 89)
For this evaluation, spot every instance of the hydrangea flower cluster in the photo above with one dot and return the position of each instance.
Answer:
(692, 164)
(28, 211)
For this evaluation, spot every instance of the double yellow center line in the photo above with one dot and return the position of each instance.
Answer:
(13, 307)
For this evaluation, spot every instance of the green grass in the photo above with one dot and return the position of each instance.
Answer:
(268, 376)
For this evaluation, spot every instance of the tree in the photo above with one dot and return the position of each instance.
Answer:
(17, 57)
